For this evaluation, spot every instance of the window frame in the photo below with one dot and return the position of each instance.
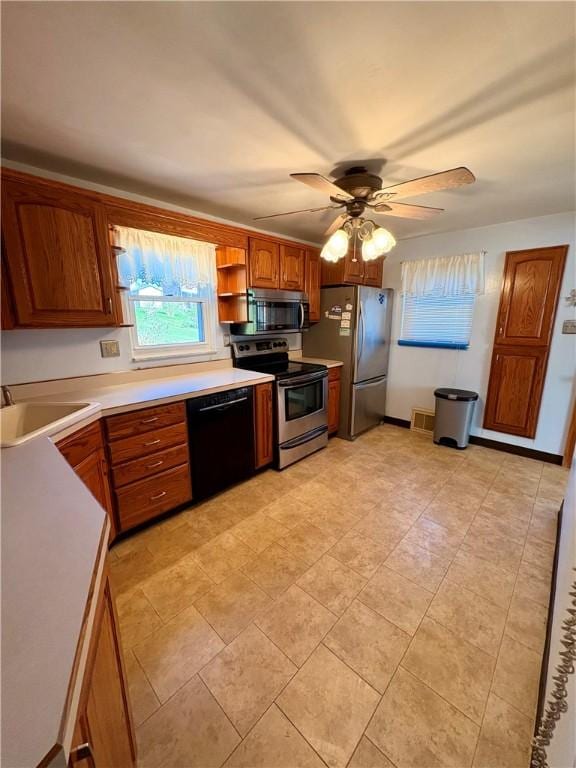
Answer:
(436, 343)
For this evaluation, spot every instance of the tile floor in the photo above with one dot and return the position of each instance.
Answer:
(382, 603)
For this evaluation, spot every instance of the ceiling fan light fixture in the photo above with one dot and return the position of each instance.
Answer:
(383, 240)
(369, 249)
(336, 247)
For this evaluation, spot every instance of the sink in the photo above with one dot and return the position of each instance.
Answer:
(22, 422)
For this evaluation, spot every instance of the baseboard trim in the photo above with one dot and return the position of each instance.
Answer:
(396, 422)
(517, 450)
(496, 445)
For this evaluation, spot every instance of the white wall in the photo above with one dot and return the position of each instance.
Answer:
(415, 371)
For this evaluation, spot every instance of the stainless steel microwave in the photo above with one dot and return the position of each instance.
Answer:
(270, 311)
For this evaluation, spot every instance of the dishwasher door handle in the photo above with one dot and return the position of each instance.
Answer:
(222, 406)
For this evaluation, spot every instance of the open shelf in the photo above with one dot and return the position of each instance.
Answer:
(232, 284)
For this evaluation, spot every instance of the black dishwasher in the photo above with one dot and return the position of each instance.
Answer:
(221, 436)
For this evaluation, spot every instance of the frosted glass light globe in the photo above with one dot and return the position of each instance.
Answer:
(327, 254)
(338, 243)
(383, 240)
(369, 250)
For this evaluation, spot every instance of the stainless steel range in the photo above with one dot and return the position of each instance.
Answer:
(301, 396)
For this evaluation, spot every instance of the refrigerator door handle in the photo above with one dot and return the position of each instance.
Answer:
(375, 383)
(361, 330)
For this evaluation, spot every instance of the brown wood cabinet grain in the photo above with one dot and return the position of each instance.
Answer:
(353, 271)
(84, 451)
(312, 285)
(145, 466)
(292, 268)
(373, 272)
(58, 258)
(148, 443)
(334, 384)
(263, 424)
(528, 303)
(144, 420)
(146, 499)
(105, 720)
(264, 263)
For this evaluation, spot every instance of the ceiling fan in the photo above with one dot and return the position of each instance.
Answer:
(358, 190)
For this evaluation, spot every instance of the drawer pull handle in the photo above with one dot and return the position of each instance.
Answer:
(152, 442)
(150, 420)
(156, 464)
(158, 496)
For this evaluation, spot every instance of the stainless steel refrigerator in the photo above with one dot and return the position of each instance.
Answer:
(355, 328)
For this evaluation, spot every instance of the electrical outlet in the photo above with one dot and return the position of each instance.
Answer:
(110, 348)
(569, 326)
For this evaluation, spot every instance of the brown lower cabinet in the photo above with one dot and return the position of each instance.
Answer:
(333, 400)
(150, 463)
(84, 451)
(263, 425)
(104, 732)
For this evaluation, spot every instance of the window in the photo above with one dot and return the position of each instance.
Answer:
(432, 321)
(438, 297)
(170, 293)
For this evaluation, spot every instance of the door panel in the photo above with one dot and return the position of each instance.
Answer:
(373, 271)
(373, 334)
(530, 295)
(58, 257)
(515, 391)
(368, 405)
(264, 264)
(264, 424)
(353, 270)
(291, 268)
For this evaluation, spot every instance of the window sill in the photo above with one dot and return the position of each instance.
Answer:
(209, 354)
(432, 344)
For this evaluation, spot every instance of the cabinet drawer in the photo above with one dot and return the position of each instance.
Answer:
(150, 442)
(146, 466)
(145, 420)
(77, 447)
(334, 374)
(146, 499)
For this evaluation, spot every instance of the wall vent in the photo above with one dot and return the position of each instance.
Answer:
(422, 421)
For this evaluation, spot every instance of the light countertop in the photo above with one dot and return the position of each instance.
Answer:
(318, 361)
(51, 533)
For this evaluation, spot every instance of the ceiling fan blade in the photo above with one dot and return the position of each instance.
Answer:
(336, 224)
(322, 184)
(404, 211)
(455, 177)
(305, 210)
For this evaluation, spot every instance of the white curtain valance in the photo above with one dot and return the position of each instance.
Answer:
(164, 260)
(446, 276)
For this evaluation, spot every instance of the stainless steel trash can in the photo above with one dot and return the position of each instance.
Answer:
(453, 419)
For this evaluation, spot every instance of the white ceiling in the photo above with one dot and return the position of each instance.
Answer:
(212, 104)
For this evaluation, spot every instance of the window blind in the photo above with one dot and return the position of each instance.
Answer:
(437, 321)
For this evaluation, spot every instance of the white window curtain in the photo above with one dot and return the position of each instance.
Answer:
(446, 276)
(165, 260)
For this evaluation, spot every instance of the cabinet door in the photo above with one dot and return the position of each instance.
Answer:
(312, 286)
(93, 471)
(105, 723)
(264, 264)
(333, 406)
(264, 424)
(529, 296)
(373, 271)
(291, 268)
(515, 390)
(58, 257)
(353, 270)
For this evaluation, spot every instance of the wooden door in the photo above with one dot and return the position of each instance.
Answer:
(333, 405)
(264, 424)
(292, 271)
(93, 471)
(528, 302)
(353, 270)
(373, 271)
(530, 296)
(516, 380)
(58, 257)
(264, 264)
(312, 286)
(105, 722)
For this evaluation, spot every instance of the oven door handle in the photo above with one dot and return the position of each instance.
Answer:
(308, 379)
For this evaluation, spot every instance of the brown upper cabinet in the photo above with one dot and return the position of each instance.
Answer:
(528, 302)
(312, 283)
(264, 263)
(58, 257)
(353, 271)
(292, 269)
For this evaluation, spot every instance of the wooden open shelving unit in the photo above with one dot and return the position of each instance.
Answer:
(232, 283)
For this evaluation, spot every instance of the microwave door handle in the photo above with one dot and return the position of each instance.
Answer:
(301, 315)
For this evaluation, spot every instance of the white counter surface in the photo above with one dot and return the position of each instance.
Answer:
(51, 531)
(318, 361)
